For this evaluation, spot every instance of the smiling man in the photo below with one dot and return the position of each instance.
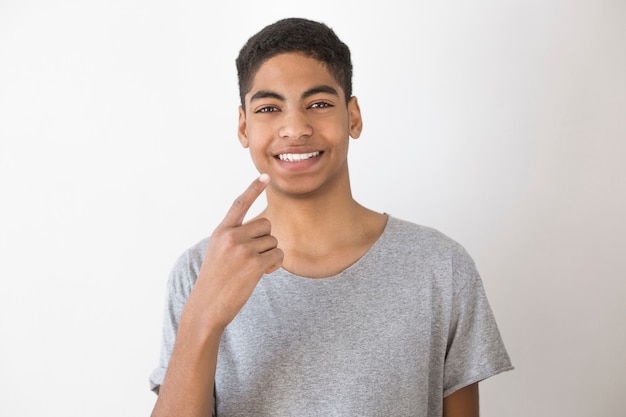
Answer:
(318, 306)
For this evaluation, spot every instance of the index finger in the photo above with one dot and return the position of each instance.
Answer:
(242, 204)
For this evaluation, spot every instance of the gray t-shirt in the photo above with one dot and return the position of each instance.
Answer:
(403, 327)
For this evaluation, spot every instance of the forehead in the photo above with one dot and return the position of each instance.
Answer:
(291, 71)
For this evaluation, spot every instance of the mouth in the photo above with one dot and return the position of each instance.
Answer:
(297, 157)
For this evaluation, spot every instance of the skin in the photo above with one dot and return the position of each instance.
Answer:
(311, 226)
(462, 403)
(296, 106)
(251, 251)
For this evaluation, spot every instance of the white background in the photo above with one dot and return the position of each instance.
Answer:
(501, 123)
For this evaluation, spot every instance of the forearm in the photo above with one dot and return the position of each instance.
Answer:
(237, 257)
(187, 390)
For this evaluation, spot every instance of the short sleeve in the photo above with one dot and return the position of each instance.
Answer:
(176, 295)
(181, 280)
(475, 348)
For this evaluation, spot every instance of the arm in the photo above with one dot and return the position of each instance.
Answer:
(188, 386)
(462, 403)
(237, 257)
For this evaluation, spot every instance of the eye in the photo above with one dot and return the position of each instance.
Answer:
(267, 109)
(320, 105)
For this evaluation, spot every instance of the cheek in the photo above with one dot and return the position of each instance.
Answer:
(260, 144)
(339, 133)
(260, 131)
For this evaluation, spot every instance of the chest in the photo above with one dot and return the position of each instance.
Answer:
(294, 346)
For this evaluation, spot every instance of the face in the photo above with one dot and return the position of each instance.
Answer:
(297, 125)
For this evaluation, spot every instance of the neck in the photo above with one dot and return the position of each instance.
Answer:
(323, 233)
(313, 220)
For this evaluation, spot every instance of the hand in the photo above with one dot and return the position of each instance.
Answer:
(237, 257)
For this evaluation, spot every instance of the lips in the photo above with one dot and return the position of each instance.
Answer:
(297, 157)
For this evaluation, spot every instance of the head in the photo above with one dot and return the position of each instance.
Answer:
(313, 39)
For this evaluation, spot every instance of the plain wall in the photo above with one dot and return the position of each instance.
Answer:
(501, 123)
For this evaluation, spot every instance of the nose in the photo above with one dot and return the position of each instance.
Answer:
(295, 125)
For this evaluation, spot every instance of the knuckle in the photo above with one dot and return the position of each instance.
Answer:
(239, 203)
(228, 238)
(265, 224)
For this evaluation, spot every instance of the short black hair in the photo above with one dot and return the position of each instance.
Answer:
(313, 39)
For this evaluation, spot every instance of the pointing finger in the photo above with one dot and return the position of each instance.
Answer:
(242, 204)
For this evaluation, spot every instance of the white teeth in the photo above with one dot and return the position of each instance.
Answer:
(295, 157)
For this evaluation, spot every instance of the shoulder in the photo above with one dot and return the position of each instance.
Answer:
(413, 236)
(428, 248)
(186, 268)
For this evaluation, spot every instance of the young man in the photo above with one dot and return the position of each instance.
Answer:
(318, 306)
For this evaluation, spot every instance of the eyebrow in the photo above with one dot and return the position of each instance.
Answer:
(266, 94)
(261, 94)
(320, 89)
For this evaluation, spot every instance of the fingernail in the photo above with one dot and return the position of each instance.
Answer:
(264, 177)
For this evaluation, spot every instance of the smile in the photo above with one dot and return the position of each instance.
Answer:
(296, 157)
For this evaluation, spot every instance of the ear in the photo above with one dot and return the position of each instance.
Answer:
(242, 130)
(354, 118)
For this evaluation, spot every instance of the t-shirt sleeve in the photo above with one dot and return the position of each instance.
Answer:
(176, 294)
(475, 348)
(181, 280)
